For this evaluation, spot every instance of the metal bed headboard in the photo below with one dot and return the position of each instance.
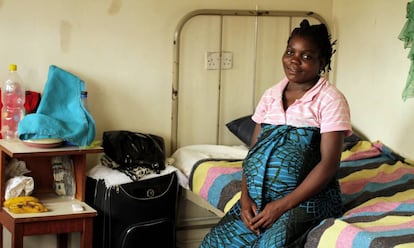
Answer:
(220, 13)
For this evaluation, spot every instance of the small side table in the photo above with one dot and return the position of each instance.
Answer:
(60, 219)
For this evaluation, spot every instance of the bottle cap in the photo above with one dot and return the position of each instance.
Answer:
(12, 67)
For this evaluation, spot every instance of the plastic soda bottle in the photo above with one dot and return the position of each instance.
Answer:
(13, 97)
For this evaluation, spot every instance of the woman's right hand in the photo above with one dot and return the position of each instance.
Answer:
(248, 211)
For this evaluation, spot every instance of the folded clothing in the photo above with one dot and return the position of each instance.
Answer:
(61, 113)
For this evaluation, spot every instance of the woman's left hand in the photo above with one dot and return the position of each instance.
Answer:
(272, 212)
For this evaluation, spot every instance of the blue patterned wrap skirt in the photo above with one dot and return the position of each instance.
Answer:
(280, 160)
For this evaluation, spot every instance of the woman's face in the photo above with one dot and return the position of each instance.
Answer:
(301, 60)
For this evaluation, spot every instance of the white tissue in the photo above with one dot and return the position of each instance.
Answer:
(19, 186)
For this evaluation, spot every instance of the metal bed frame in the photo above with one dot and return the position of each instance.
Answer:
(221, 13)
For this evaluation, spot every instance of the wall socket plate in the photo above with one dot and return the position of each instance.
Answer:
(217, 60)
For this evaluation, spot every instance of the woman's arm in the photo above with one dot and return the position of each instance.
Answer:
(255, 134)
(317, 179)
(248, 207)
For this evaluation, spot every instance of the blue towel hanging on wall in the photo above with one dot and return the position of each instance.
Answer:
(61, 113)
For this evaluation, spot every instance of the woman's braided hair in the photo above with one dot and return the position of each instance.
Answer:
(319, 34)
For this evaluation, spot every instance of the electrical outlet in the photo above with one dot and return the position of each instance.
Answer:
(212, 60)
(216, 61)
(226, 60)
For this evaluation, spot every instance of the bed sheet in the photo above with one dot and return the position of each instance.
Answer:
(185, 158)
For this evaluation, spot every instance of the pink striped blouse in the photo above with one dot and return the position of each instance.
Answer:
(323, 106)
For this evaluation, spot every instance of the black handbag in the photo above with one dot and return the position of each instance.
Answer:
(132, 149)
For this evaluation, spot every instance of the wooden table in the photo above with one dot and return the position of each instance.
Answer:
(60, 219)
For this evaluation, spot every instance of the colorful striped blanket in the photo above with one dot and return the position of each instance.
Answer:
(217, 181)
(382, 222)
(377, 188)
(378, 191)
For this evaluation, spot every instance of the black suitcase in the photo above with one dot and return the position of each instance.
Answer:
(134, 215)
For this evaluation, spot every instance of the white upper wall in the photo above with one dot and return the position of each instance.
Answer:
(123, 51)
(372, 68)
(121, 48)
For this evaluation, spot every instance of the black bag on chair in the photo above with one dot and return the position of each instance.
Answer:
(130, 149)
